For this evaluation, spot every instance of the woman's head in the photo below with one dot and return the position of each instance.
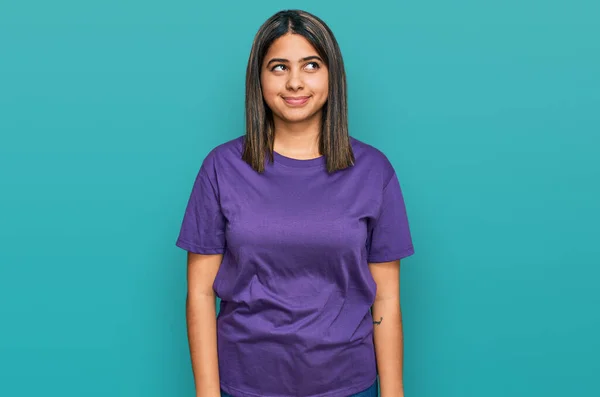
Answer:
(295, 55)
(294, 80)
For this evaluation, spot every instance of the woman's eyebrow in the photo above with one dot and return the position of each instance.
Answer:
(301, 60)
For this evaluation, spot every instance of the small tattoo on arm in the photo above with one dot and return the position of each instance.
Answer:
(378, 322)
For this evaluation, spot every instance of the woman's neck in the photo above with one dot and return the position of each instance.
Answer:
(298, 140)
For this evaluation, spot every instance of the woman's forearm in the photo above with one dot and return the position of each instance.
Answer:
(389, 346)
(202, 337)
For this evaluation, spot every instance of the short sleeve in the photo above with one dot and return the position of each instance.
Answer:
(203, 226)
(389, 236)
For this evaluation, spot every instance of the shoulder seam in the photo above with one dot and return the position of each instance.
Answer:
(390, 180)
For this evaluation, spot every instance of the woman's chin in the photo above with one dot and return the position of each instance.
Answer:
(298, 117)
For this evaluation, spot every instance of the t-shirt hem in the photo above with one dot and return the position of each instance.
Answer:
(348, 391)
(186, 245)
(392, 257)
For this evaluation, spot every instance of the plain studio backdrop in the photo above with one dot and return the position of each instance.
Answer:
(489, 111)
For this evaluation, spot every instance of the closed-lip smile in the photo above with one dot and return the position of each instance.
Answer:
(296, 100)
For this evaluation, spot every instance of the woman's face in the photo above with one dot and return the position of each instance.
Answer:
(294, 79)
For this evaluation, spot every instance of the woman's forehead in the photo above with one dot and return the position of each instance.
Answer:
(292, 47)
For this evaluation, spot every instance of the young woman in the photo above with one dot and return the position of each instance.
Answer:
(299, 229)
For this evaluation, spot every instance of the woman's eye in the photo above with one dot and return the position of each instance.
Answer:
(282, 67)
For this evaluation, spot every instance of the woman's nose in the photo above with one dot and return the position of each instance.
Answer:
(294, 81)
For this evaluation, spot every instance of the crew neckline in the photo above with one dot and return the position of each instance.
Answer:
(299, 163)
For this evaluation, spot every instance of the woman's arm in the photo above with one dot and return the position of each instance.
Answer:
(202, 323)
(387, 318)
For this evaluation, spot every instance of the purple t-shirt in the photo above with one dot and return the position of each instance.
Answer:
(294, 283)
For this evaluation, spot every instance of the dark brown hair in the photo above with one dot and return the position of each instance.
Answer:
(334, 140)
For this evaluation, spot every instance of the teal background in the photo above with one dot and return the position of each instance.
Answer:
(488, 110)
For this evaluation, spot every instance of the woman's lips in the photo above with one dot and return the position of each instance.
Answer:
(296, 101)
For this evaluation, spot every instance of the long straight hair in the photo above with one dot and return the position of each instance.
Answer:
(334, 140)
